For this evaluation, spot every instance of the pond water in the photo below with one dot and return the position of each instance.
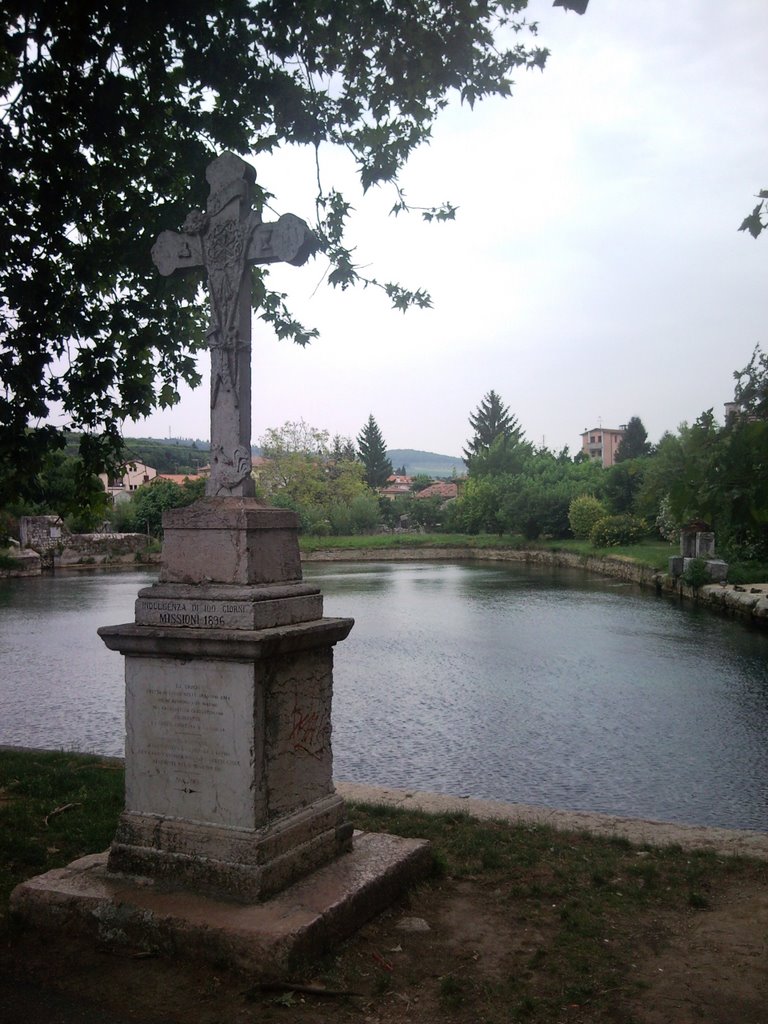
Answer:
(528, 684)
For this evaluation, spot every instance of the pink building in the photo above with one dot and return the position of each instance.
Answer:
(602, 443)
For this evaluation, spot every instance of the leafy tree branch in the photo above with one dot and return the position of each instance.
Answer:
(107, 124)
(757, 220)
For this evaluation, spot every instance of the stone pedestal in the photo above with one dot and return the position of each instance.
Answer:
(229, 766)
(229, 679)
(228, 756)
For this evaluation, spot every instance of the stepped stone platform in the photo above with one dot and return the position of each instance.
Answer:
(85, 903)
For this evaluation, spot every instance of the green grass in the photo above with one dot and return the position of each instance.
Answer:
(650, 552)
(54, 807)
(654, 553)
(587, 875)
(593, 903)
(747, 572)
(409, 541)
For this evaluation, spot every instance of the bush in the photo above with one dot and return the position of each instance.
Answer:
(697, 574)
(364, 512)
(123, 517)
(616, 531)
(340, 519)
(584, 513)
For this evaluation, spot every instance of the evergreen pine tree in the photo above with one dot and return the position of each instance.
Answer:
(490, 421)
(373, 454)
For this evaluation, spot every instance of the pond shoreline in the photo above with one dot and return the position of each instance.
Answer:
(639, 831)
(749, 603)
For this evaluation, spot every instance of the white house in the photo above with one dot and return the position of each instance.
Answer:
(134, 476)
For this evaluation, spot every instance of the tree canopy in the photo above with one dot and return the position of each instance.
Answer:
(109, 116)
(320, 479)
(751, 391)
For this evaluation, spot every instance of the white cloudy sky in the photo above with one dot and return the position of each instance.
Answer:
(595, 270)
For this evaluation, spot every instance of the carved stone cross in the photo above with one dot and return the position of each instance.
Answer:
(226, 241)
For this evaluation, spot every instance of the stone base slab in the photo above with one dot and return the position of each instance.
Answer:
(242, 864)
(85, 903)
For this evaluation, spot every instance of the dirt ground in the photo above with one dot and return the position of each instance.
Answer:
(445, 955)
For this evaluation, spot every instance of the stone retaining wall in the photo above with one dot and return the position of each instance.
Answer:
(20, 563)
(748, 602)
(80, 550)
(100, 549)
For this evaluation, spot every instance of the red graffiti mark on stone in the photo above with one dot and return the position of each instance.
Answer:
(310, 731)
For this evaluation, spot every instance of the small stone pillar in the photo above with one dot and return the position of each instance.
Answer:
(705, 544)
(697, 541)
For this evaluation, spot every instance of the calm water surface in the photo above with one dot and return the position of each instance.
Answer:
(532, 685)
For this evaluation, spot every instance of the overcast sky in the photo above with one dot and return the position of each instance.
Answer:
(594, 272)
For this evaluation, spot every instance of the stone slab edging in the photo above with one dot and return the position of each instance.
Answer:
(749, 602)
(640, 831)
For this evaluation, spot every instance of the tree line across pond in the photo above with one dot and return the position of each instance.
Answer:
(711, 471)
(330, 482)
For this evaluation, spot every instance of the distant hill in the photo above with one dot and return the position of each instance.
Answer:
(171, 455)
(429, 463)
(166, 455)
(186, 455)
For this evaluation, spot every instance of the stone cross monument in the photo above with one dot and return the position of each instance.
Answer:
(234, 844)
(226, 241)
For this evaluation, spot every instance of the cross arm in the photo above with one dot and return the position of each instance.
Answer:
(177, 252)
(287, 240)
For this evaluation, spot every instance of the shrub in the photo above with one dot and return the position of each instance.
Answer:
(313, 521)
(614, 531)
(340, 519)
(583, 513)
(123, 517)
(697, 574)
(364, 513)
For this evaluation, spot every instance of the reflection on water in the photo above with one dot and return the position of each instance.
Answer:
(534, 685)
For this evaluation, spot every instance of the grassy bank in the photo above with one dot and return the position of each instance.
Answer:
(594, 907)
(409, 541)
(54, 807)
(652, 553)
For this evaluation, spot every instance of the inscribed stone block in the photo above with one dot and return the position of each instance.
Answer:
(191, 739)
